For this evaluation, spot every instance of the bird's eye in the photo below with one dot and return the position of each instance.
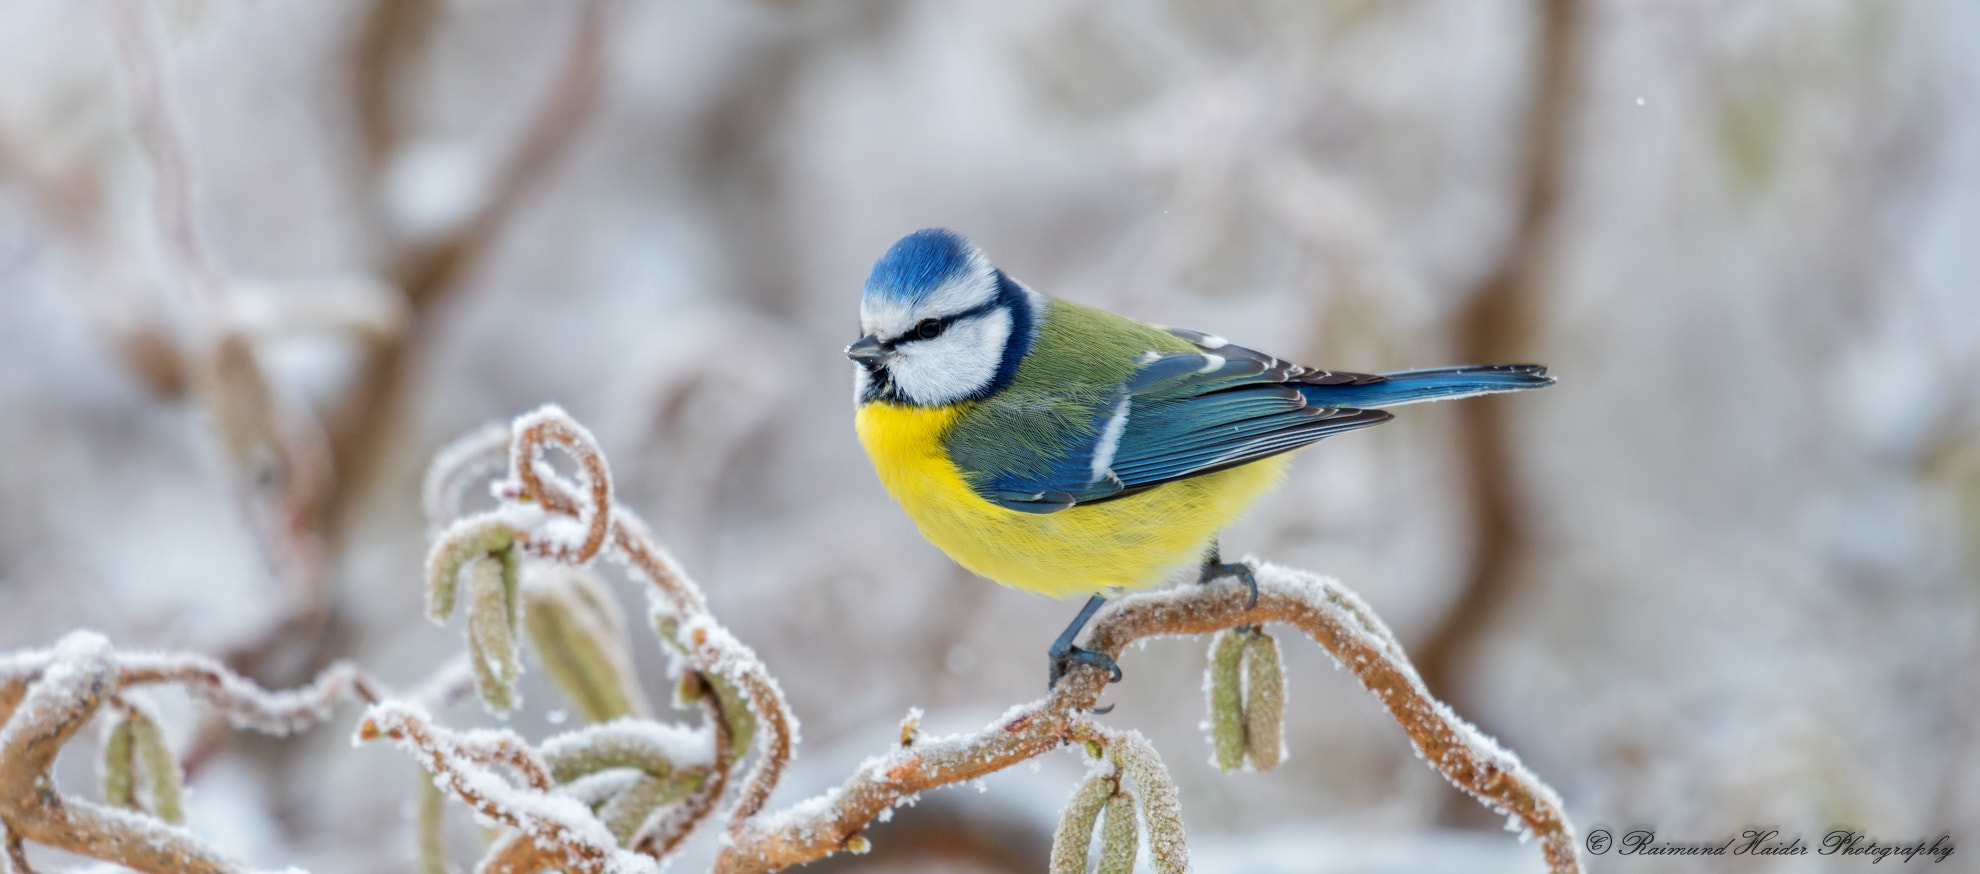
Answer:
(929, 329)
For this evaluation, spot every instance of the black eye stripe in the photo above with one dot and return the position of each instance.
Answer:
(942, 324)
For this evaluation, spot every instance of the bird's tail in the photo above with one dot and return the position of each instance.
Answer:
(1435, 384)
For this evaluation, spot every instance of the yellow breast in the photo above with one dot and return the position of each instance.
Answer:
(1127, 543)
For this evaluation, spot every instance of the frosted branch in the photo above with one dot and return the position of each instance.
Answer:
(557, 823)
(621, 795)
(456, 466)
(46, 696)
(80, 674)
(663, 832)
(724, 674)
(551, 426)
(724, 663)
(1319, 607)
(244, 703)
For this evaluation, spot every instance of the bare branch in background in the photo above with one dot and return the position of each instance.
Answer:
(388, 42)
(427, 270)
(161, 131)
(74, 201)
(296, 478)
(1498, 324)
(279, 453)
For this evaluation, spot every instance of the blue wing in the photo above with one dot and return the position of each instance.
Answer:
(1186, 414)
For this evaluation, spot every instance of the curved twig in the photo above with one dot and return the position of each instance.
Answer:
(710, 648)
(550, 820)
(79, 676)
(552, 426)
(46, 696)
(1320, 607)
(660, 836)
(242, 701)
(456, 466)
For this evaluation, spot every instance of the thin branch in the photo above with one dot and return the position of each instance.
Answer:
(57, 704)
(709, 647)
(712, 648)
(46, 696)
(389, 38)
(16, 852)
(241, 700)
(726, 657)
(661, 835)
(503, 748)
(552, 821)
(552, 426)
(456, 466)
(1321, 608)
(253, 420)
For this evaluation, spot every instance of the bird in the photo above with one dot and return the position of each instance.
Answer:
(1064, 450)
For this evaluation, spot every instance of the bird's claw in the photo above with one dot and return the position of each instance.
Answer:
(1062, 662)
(1216, 567)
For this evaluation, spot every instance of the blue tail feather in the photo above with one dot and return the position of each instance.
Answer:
(1436, 384)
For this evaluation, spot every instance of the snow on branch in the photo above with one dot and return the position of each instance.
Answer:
(622, 794)
(560, 825)
(46, 696)
(1318, 606)
(245, 704)
(549, 518)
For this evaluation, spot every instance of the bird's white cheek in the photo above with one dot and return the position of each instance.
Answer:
(955, 365)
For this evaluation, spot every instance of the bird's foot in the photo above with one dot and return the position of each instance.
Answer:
(1215, 567)
(1062, 661)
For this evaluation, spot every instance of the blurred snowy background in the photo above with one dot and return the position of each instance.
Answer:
(259, 260)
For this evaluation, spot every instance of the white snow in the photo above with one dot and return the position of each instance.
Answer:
(630, 738)
(549, 818)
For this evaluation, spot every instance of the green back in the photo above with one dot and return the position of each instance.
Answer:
(1061, 395)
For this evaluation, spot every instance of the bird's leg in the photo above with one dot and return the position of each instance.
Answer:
(1063, 654)
(1214, 566)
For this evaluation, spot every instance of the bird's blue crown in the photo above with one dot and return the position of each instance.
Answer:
(917, 265)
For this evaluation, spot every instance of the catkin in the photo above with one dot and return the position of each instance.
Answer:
(1226, 700)
(627, 810)
(161, 768)
(1119, 833)
(429, 846)
(461, 544)
(491, 633)
(580, 638)
(1264, 701)
(119, 779)
(1161, 808)
(1075, 832)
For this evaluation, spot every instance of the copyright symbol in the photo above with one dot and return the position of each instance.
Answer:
(1599, 840)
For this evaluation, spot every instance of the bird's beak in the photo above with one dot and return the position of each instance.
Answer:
(868, 351)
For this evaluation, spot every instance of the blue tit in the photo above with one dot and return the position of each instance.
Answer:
(1064, 450)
